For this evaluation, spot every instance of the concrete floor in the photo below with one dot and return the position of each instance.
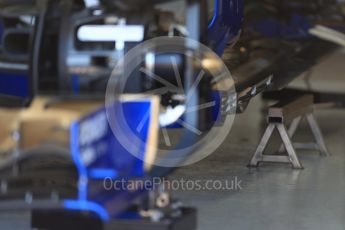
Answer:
(276, 196)
(273, 197)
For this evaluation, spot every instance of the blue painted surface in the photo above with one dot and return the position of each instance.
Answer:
(223, 28)
(296, 28)
(129, 216)
(14, 84)
(74, 142)
(87, 206)
(215, 14)
(75, 84)
(103, 156)
(97, 155)
(103, 173)
(226, 24)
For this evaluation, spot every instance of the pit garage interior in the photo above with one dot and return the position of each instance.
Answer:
(172, 114)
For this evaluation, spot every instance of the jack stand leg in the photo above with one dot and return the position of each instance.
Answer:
(292, 131)
(317, 134)
(289, 147)
(258, 155)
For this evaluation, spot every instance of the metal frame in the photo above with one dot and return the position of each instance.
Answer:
(286, 136)
(291, 156)
(319, 97)
(316, 131)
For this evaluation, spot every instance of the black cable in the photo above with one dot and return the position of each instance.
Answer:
(36, 50)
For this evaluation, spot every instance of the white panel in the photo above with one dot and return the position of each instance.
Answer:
(111, 33)
(91, 3)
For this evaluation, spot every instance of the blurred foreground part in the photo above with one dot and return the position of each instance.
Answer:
(57, 153)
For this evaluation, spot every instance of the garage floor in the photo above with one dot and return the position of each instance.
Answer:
(274, 197)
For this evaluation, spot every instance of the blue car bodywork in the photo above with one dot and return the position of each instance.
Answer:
(226, 24)
(223, 29)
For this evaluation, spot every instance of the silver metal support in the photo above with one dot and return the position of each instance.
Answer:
(320, 143)
(289, 147)
(277, 115)
(306, 146)
(292, 130)
(276, 158)
(317, 134)
(291, 156)
(258, 155)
